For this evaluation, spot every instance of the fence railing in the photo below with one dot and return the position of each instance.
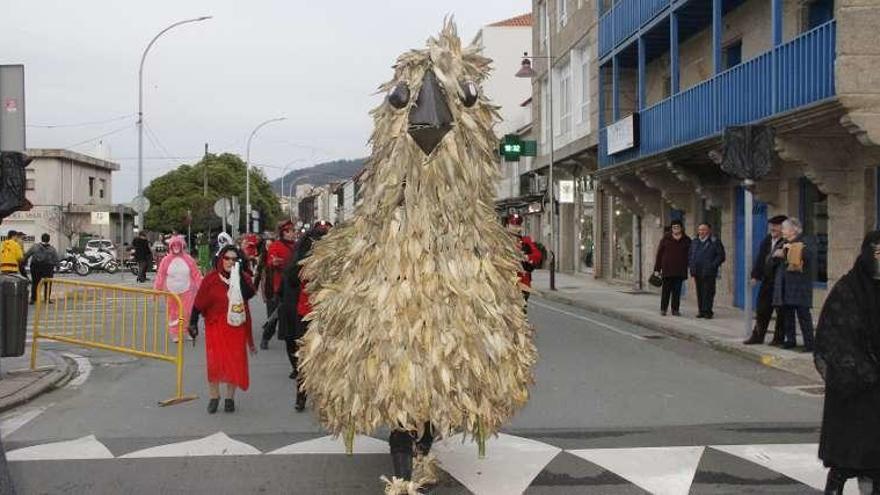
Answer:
(625, 18)
(803, 71)
(115, 318)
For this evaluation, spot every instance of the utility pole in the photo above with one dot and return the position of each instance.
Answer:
(205, 173)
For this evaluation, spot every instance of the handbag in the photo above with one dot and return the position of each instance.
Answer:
(655, 280)
(235, 313)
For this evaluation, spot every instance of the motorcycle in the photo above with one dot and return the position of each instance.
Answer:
(73, 262)
(101, 260)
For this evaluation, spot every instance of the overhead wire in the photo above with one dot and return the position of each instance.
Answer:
(110, 133)
(82, 124)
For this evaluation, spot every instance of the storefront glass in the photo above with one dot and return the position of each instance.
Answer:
(622, 242)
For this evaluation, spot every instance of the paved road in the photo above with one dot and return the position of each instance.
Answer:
(616, 409)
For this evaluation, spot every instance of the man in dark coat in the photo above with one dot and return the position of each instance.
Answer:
(705, 258)
(764, 272)
(848, 358)
(43, 259)
(793, 289)
(142, 254)
(672, 265)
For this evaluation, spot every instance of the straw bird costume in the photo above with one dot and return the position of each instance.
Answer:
(417, 314)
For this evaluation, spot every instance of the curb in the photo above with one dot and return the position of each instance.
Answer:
(63, 371)
(769, 360)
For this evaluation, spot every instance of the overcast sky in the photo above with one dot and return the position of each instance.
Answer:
(316, 62)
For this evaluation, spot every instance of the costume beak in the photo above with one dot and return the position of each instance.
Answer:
(430, 118)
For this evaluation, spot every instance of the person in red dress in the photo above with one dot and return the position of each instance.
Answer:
(226, 346)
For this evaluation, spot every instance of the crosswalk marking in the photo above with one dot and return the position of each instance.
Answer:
(510, 466)
(13, 421)
(218, 444)
(797, 461)
(659, 470)
(330, 445)
(87, 447)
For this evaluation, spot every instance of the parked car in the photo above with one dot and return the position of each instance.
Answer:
(94, 245)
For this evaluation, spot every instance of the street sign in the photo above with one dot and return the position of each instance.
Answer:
(12, 110)
(511, 147)
(140, 204)
(566, 191)
(100, 218)
(222, 208)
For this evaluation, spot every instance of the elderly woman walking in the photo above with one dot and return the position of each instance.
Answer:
(222, 300)
(848, 358)
(793, 290)
(672, 265)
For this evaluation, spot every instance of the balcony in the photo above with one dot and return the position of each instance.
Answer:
(789, 76)
(624, 19)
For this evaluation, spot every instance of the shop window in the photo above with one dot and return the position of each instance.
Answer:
(102, 189)
(732, 55)
(814, 217)
(91, 186)
(622, 242)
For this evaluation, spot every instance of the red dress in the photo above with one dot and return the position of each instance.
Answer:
(226, 347)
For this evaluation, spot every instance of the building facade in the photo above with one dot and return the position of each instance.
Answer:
(565, 51)
(71, 193)
(675, 74)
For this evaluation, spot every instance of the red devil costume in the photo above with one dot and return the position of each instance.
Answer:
(280, 253)
(531, 254)
(226, 346)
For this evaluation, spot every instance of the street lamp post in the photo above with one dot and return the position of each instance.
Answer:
(140, 119)
(526, 71)
(247, 180)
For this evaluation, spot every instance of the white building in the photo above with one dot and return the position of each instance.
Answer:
(71, 195)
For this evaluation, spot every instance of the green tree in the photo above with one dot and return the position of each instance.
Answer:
(182, 189)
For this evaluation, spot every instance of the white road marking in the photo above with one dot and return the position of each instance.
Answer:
(82, 448)
(83, 370)
(591, 320)
(13, 421)
(218, 444)
(330, 445)
(797, 461)
(510, 466)
(659, 470)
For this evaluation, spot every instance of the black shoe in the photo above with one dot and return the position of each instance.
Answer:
(212, 405)
(402, 464)
(709, 316)
(676, 313)
(754, 339)
(300, 402)
(229, 405)
(264, 344)
(806, 350)
(788, 345)
(835, 482)
(701, 315)
(662, 312)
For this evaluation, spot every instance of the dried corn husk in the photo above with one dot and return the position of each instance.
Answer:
(417, 312)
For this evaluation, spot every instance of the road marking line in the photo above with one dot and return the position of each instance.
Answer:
(659, 470)
(218, 444)
(594, 322)
(12, 422)
(83, 370)
(82, 448)
(329, 445)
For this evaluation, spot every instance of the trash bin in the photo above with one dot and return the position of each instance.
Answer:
(14, 294)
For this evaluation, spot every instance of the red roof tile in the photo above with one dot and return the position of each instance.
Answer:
(524, 20)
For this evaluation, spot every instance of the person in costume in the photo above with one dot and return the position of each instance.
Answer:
(295, 303)
(847, 355)
(531, 257)
(179, 274)
(204, 251)
(278, 256)
(416, 320)
(226, 345)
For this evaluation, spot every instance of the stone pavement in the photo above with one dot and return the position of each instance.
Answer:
(19, 384)
(725, 332)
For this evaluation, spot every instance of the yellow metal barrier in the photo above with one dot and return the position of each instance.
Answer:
(114, 318)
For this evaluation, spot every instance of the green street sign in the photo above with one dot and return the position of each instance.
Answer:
(511, 148)
(529, 148)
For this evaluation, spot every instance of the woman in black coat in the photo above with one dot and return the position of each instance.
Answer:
(793, 288)
(848, 358)
(672, 265)
(291, 326)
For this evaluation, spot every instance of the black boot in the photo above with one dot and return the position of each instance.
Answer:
(756, 338)
(300, 401)
(212, 405)
(402, 463)
(229, 405)
(836, 481)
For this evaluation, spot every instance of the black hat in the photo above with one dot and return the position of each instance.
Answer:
(11, 234)
(777, 220)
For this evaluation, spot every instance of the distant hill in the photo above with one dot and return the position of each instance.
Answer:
(320, 174)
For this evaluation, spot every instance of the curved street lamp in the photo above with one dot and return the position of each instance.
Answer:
(247, 180)
(140, 120)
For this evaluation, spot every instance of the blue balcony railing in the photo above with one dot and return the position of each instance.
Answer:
(624, 19)
(804, 72)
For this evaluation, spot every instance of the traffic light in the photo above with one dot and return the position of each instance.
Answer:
(12, 183)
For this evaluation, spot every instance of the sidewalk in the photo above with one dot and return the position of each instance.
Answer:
(725, 332)
(19, 384)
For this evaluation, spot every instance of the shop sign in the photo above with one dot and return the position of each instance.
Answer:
(623, 134)
(566, 191)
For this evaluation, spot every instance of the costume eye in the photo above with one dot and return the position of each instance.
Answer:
(399, 96)
(469, 93)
